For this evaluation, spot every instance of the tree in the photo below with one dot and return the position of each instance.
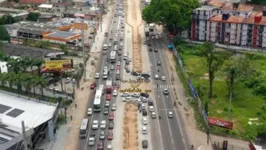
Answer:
(7, 19)
(11, 78)
(175, 15)
(38, 63)
(214, 62)
(4, 36)
(43, 44)
(64, 48)
(33, 16)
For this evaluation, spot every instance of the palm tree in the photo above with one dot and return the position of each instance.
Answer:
(3, 77)
(43, 83)
(26, 82)
(35, 83)
(38, 63)
(25, 62)
(11, 78)
(14, 65)
(18, 81)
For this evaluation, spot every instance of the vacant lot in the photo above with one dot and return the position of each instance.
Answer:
(247, 104)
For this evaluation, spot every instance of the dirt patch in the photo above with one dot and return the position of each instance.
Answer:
(130, 127)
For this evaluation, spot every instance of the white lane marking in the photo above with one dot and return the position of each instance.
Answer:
(162, 59)
(183, 140)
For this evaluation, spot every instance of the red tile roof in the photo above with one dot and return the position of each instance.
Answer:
(227, 6)
(32, 1)
(216, 3)
(235, 19)
(217, 18)
(242, 7)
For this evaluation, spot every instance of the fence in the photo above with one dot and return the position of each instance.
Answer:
(217, 145)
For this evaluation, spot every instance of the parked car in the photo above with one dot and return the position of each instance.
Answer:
(144, 144)
(100, 146)
(102, 135)
(89, 112)
(110, 135)
(105, 111)
(144, 95)
(111, 125)
(93, 86)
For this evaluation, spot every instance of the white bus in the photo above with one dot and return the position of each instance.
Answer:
(83, 131)
(105, 74)
(97, 101)
(113, 56)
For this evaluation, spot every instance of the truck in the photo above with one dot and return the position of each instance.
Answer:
(108, 87)
(152, 27)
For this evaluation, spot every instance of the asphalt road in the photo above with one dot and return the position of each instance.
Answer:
(112, 29)
(172, 132)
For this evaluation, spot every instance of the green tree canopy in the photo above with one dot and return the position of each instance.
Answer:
(33, 16)
(4, 36)
(7, 19)
(175, 15)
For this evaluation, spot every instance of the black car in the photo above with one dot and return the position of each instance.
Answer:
(144, 144)
(150, 103)
(159, 63)
(150, 49)
(133, 73)
(145, 75)
(105, 111)
(155, 50)
(149, 44)
(144, 95)
(111, 125)
(144, 112)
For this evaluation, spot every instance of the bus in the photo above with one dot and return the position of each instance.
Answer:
(97, 101)
(146, 30)
(105, 74)
(113, 56)
(83, 131)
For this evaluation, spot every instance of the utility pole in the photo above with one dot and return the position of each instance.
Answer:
(25, 142)
(84, 66)
(101, 15)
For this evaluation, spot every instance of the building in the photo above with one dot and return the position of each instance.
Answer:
(228, 23)
(63, 37)
(38, 117)
(32, 3)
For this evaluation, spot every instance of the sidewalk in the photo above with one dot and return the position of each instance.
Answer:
(67, 137)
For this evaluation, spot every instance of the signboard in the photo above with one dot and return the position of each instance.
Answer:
(58, 64)
(220, 123)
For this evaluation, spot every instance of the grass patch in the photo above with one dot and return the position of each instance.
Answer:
(245, 104)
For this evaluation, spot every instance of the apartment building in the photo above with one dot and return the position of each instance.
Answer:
(230, 24)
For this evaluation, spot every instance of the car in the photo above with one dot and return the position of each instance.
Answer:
(119, 53)
(107, 104)
(134, 73)
(144, 95)
(138, 101)
(92, 86)
(163, 78)
(105, 68)
(111, 116)
(95, 124)
(89, 112)
(100, 146)
(127, 70)
(110, 135)
(91, 140)
(104, 52)
(150, 49)
(152, 37)
(111, 125)
(144, 112)
(165, 92)
(102, 135)
(150, 103)
(156, 76)
(144, 99)
(114, 92)
(103, 124)
(170, 114)
(159, 63)
(113, 107)
(118, 63)
(111, 38)
(105, 111)
(136, 95)
(67, 80)
(144, 120)
(155, 50)
(112, 67)
(126, 99)
(151, 108)
(144, 144)
(145, 75)
(153, 115)
(149, 44)
(125, 94)
(144, 130)
(109, 147)
(129, 59)
(108, 97)
(97, 75)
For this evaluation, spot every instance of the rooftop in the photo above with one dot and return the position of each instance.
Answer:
(62, 34)
(235, 19)
(46, 6)
(32, 1)
(245, 8)
(216, 3)
(20, 50)
(206, 7)
(15, 109)
(227, 6)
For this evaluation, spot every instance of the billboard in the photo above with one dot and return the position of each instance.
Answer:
(220, 123)
(59, 64)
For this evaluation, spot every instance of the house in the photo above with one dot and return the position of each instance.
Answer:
(32, 3)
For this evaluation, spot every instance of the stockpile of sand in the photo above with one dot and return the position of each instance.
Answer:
(130, 127)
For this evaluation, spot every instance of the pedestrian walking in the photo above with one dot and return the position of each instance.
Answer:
(76, 105)
(71, 117)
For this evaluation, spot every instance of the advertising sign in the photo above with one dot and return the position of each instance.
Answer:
(220, 123)
(58, 64)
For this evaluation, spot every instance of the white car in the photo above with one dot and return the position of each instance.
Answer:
(124, 94)
(103, 124)
(110, 44)
(163, 78)
(144, 130)
(144, 120)
(151, 108)
(118, 63)
(170, 114)
(136, 95)
(112, 67)
(107, 104)
(129, 59)
(91, 141)
(153, 115)
(95, 124)
(89, 111)
(156, 76)
(113, 107)
(144, 99)
(97, 75)
(114, 92)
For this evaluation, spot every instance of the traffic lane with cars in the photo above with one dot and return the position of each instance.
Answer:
(165, 132)
(175, 125)
(84, 143)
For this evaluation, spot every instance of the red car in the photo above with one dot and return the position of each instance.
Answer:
(117, 67)
(111, 116)
(110, 135)
(93, 85)
(108, 97)
(100, 146)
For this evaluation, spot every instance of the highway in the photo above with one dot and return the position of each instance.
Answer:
(104, 61)
(172, 130)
